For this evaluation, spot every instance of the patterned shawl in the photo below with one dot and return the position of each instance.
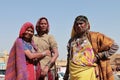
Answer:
(16, 66)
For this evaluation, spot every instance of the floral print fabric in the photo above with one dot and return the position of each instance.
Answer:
(82, 53)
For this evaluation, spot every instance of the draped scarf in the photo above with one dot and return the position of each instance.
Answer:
(16, 66)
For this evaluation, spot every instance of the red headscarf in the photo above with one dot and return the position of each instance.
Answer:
(24, 27)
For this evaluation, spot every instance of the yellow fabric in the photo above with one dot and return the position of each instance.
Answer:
(81, 63)
(82, 73)
(82, 53)
(100, 43)
(73, 33)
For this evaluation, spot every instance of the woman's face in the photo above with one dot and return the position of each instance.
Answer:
(43, 25)
(29, 33)
(80, 27)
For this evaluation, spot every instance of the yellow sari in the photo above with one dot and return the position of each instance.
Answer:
(82, 66)
(82, 73)
(104, 67)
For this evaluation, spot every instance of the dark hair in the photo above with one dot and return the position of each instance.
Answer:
(81, 18)
(38, 25)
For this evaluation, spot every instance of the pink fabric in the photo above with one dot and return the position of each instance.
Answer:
(50, 76)
(16, 66)
(31, 72)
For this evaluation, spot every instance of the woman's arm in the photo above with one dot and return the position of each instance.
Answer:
(37, 55)
(105, 54)
(54, 57)
(54, 50)
(66, 76)
(51, 62)
(106, 47)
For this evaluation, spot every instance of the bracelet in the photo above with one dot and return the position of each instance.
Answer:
(43, 53)
(48, 64)
(98, 57)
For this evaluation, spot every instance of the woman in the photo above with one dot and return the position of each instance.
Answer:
(23, 62)
(44, 41)
(88, 53)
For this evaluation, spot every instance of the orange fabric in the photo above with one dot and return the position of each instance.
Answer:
(105, 70)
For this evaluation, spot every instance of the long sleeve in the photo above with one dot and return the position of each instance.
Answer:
(113, 49)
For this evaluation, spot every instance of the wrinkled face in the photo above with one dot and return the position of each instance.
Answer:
(43, 25)
(80, 26)
(29, 33)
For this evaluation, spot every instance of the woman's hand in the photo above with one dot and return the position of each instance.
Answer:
(44, 71)
(48, 53)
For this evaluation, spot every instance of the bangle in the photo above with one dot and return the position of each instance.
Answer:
(98, 57)
(48, 64)
(43, 53)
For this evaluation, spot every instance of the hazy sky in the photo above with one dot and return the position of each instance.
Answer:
(103, 15)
